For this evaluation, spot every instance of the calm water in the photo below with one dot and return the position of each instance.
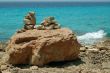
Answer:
(86, 19)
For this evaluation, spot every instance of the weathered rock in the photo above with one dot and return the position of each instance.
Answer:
(104, 45)
(1, 54)
(34, 68)
(83, 49)
(29, 21)
(2, 46)
(93, 50)
(3, 67)
(106, 65)
(49, 24)
(39, 47)
(5, 72)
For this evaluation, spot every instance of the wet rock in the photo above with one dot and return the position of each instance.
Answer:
(39, 47)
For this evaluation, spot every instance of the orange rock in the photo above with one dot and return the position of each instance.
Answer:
(39, 47)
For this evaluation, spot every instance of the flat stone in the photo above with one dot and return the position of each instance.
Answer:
(83, 49)
(93, 50)
(4, 67)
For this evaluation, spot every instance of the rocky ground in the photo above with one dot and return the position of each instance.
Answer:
(92, 59)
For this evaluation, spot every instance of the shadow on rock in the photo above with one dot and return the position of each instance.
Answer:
(63, 64)
(60, 64)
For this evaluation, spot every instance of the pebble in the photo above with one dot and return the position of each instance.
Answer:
(82, 49)
(106, 65)
(34, 68)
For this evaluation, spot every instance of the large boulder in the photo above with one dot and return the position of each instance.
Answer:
(39, 47)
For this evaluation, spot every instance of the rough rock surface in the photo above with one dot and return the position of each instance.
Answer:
(39, 47)
(103, 45)
(89, 61)
(49, 24)
(29, 21)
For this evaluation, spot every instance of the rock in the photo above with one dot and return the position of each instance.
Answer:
(5, 72)
(82, 49)
(1, 54)
(22, 30)
(29, 21)
(102, 48)
(34, 67)
(2, 46)
(15, 70)
(93, 50)
(106, 65)
(49, 24)
(25, 71)
(104, 45)
(1, 49)
(39, 47)
(3, 67)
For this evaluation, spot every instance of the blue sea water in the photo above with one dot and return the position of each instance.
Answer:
(85, 19)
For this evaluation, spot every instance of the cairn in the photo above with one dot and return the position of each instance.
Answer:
(30, 21)
(49, 24)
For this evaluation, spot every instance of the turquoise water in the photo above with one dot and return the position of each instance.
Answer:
(81, 19)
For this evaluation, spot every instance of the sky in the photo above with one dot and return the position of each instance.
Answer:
(57, 0)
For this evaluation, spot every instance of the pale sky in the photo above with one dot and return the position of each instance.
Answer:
(58, 0)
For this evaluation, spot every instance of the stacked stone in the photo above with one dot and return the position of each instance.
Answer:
(49, 23)
(30, 21)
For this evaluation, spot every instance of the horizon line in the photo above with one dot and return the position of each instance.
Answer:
(56, 1)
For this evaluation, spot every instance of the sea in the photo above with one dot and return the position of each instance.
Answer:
(89, 20)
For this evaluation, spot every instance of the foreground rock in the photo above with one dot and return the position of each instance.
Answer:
(39, 47)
